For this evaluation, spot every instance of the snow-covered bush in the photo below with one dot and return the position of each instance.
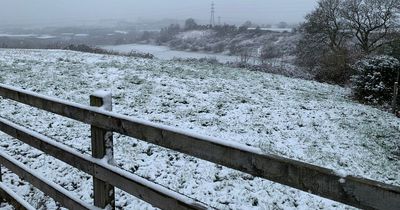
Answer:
(269, 51)
(375, 78)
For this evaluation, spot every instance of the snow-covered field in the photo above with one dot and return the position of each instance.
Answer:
(195, 34)
(165, 53)
(304, 120)
(41, 36)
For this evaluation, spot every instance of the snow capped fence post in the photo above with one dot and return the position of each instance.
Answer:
(102, 148)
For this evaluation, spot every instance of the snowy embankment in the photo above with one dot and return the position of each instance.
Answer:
(304, 120)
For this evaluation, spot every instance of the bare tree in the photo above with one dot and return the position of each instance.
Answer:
(327, 25)
(336, 24)
(323, 46)
(267, 52)
(370, 21)
(244, 55)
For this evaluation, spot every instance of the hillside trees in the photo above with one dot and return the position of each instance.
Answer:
(168, 33)
(370, 21)
(225, 30)
(190, 24)
(338, 32)
(245, 26)
(283, 25)
(323, 45)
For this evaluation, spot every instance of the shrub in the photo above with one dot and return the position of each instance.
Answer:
(205, 60)
(375, 78)
(333, 68)
(269, 51)
(138, 54)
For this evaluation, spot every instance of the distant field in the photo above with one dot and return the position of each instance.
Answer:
(165, 53)
(304, 120)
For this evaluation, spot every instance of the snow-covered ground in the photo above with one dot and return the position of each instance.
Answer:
(37, 36)
(165, 53)
(280, 30)
(304, 120)
(195, 34)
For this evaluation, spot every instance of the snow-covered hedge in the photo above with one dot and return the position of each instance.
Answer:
(375, 78)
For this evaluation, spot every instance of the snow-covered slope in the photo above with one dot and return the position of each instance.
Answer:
(304, 120)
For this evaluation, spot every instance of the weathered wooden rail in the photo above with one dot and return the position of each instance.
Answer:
(354, 191)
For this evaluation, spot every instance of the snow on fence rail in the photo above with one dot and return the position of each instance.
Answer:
(11, 197)
(49, 188)
(354, 191)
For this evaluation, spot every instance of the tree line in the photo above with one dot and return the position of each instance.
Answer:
(338, 33)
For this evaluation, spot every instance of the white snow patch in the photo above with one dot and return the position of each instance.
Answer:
(195, 34)
(120, 32)
(106, 96)
(342, 173)
(81, 35)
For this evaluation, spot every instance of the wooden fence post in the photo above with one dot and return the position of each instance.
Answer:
(395, 95)
(102, 147)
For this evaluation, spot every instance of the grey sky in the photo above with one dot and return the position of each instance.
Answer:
(74, 11)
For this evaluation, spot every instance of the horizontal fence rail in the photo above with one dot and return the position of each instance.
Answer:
(11, 197)
(55, 191)
(354, 191)
(145, 190)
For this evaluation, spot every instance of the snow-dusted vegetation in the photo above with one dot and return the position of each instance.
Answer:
(374, 80)
(304, 120)
(233, 41)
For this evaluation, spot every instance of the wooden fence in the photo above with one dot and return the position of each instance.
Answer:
(355, 191)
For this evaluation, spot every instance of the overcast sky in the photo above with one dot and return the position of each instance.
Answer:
(45, 12)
